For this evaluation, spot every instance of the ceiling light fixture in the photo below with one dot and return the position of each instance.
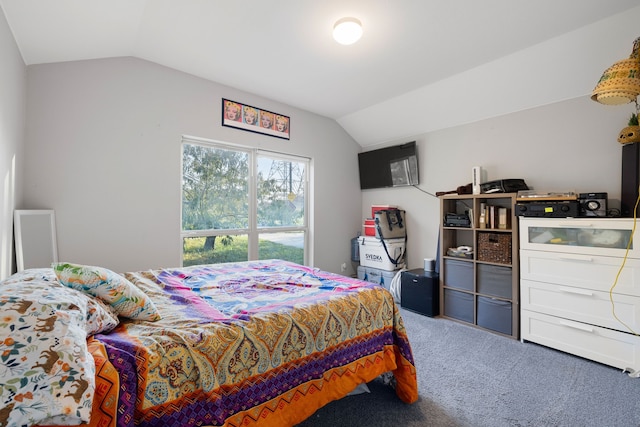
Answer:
(620, 83)
(347, 31)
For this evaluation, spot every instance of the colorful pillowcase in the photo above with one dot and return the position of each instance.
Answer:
(30, 283)
(127, 300)
(48, 375)
(30, 274)
(100, 317)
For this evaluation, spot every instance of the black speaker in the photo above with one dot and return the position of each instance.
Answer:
(630, 178)
(593, 204)
(420, 291)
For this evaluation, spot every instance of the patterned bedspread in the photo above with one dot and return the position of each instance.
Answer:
(262, 343)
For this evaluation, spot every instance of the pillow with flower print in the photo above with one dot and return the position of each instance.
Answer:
(127, 300)
(47, 372)
(31, 274)
(100, 317)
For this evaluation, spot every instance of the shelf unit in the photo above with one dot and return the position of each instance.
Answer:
(481, 290)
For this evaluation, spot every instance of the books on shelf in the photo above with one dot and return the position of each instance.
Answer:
(494, 217)
(503, 218)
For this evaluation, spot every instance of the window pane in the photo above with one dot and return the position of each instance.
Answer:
(214, 249)
(281, 185)
(215, 188)
(288, 246)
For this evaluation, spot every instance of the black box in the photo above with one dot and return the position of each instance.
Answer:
(420, 291)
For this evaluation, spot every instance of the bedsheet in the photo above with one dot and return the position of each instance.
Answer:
(262, 343)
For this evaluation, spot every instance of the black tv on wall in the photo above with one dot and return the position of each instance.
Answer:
(394, 166)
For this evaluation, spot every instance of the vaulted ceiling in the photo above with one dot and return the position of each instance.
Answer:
(283, 49)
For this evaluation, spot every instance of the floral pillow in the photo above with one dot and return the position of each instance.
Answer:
(100, 317)
(127, 300)
(30, 274)
(48, 375)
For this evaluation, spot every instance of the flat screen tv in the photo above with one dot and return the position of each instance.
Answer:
(394, 166)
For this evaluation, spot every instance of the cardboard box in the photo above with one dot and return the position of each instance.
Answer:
(373, 254)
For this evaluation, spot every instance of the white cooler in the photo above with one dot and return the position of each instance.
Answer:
(372, 253)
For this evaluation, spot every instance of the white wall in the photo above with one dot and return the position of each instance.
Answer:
(12, 121)
(567, 146)
(103, 150)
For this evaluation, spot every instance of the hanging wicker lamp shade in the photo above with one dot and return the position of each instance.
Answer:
(620, 83)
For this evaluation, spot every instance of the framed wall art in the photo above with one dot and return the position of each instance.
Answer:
(246, 117)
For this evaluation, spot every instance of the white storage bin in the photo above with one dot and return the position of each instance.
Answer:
(373, 254)
(377, 276)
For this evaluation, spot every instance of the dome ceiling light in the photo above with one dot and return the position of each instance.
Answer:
(347, 31)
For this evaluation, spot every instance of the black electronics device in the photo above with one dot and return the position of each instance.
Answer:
(504, 186)
(593, 204)
(420, 291)
(549, 209)
(456, 220)
(395, 166)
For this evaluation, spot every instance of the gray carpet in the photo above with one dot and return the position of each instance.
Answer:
(470, 377)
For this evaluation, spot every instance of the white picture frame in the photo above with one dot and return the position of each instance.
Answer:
(35, 236)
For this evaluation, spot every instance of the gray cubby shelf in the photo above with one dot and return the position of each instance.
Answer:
(482, 290)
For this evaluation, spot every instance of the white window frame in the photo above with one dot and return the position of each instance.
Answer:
(252, 231)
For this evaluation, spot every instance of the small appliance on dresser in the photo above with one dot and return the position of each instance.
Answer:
(419, 291)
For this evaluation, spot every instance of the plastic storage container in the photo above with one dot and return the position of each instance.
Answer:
(458, 305)
(458, 274)
(373, 254)
(494, 314)
(494, 280)
(375, 275)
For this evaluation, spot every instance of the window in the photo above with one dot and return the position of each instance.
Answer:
(242, 204)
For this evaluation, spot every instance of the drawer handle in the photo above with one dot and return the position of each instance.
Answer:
(576, 258)
(576, 291)
(577, 224)
(579, 326)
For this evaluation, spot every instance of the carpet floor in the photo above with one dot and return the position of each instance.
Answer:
(471, 377)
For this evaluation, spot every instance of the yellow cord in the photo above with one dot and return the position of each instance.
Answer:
(624, 260)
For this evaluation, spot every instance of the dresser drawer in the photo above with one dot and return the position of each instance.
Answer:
(587, 236)
(603, 345)
(584, 305)
(585, 271)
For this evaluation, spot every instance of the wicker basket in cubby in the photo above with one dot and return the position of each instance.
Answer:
(494, 247)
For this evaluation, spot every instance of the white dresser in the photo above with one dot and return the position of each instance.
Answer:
(568, 271)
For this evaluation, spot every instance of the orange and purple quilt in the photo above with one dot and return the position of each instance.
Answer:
(258, 343)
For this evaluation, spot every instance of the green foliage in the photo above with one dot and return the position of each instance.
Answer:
(633, 121)
(237, 250)
(215, 188)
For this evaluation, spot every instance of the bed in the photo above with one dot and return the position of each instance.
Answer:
(258, 343)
